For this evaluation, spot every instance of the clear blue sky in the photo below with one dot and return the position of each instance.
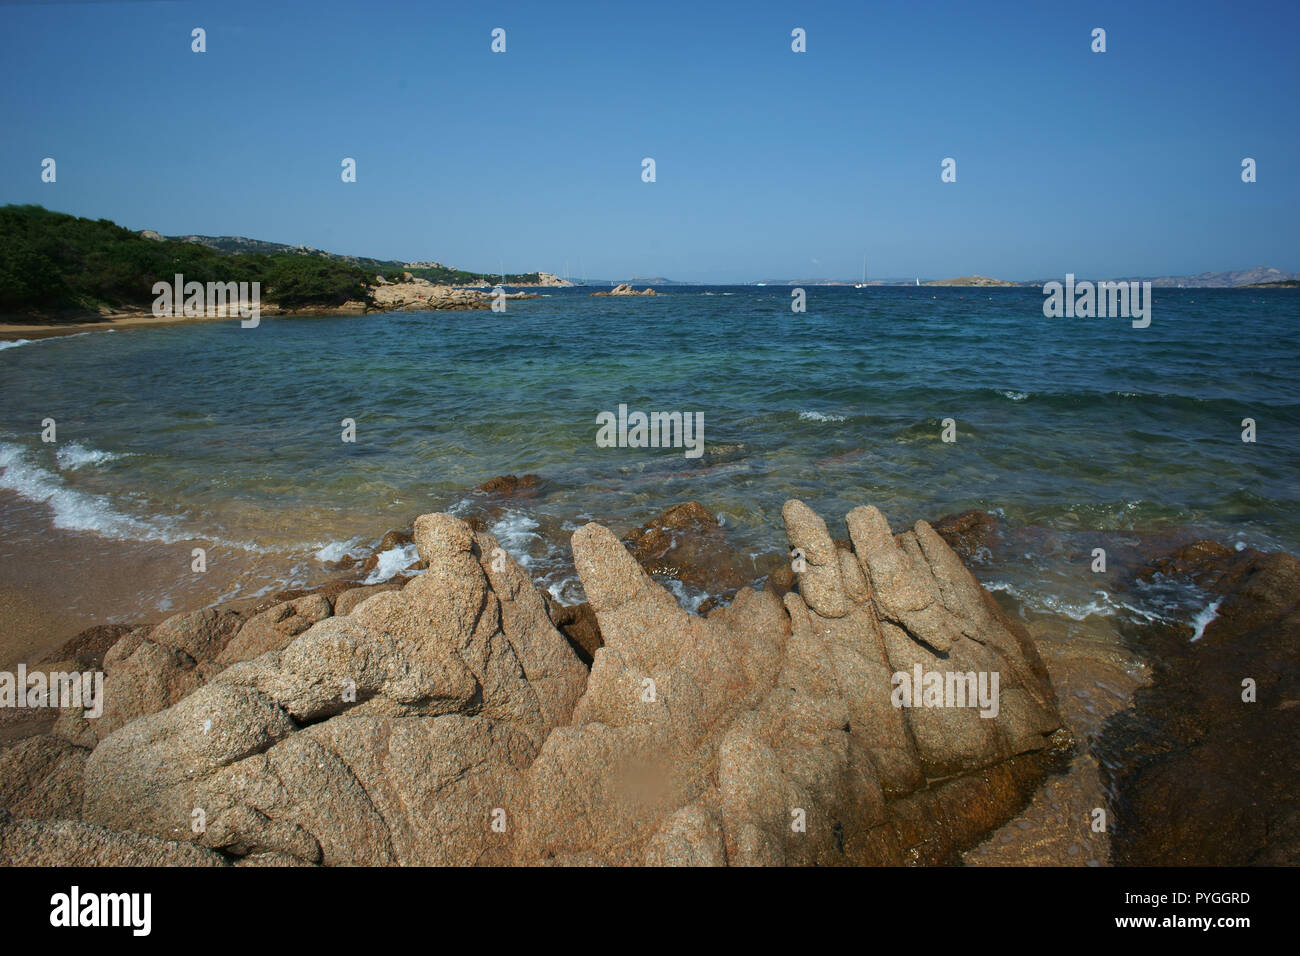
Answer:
(771, 164)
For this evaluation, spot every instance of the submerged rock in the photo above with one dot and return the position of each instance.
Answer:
(513, 486)
(967, 533)
(686, 543)
(1204, 766)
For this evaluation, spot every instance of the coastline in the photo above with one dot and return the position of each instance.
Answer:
(1033, 809)
(12, 329)
(414, 295)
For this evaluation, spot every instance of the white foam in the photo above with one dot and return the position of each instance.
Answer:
(74, 455)
(1204, 617)
(514, 532)
(336, 550)
(1014, 396)
(688, 597)
(14, 343)
(393, 561)
(73, 510)
(1101, 605)
(819, 417)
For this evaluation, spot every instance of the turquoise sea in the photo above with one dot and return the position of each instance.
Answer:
(1074, 432)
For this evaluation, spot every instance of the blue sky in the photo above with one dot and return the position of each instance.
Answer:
(770, 164)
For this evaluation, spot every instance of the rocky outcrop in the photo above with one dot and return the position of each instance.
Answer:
(578, 624)
(453, 719)
(623, 289)
(72, 843)
(42, 777)
(275, 627)
(87, 648)
(419, 294)
(152, 668)
(451, 722)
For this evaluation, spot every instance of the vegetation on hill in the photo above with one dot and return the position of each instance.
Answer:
(51, 262)
(390, 269)
(444, 275)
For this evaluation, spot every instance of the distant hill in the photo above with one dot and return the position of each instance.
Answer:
(1219, 280)
(1283, 284)
(54, 264)
(389, 268)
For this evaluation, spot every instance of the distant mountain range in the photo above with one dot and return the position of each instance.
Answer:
(1223, 280)
(1232, 279)
(433, 271)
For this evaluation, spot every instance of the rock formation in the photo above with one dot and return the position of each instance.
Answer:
(623, 289)
(450, 721)
(416, 294)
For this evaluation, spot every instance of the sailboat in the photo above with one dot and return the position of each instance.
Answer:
(863, 283)
(918, 280)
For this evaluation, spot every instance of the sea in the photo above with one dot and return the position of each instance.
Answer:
(1077, 434)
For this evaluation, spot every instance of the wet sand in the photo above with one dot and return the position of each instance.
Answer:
(10, 331)
(55, 583)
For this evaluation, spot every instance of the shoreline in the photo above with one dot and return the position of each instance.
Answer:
(13, 330)
(111, 581)
(414, 295)
(1039, 802)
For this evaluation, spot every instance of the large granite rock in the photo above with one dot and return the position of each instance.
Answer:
(450, 722)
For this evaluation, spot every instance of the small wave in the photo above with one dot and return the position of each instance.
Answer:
(820, 417)
(14, 343)
(689, 598)
(1101, 605)
(1014, 396)
(336, 550)
(73, 510)
(514, 532)
(74, 455)
(393, 561)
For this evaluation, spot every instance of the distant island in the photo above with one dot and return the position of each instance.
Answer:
(973, 280)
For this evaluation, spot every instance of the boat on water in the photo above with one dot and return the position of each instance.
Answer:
(863, 283)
